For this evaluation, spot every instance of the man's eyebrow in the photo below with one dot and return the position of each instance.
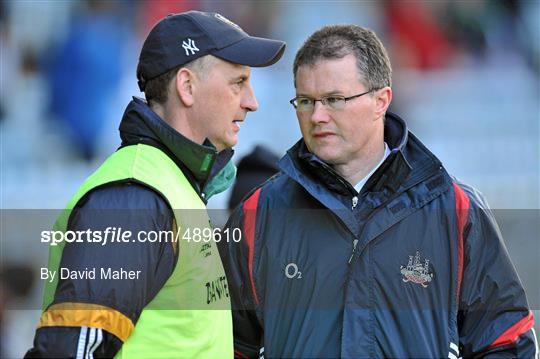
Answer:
(333, 93)
(325, 94)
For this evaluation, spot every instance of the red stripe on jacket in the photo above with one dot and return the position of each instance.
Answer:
(250, 216)
(462, 214)
(240, 355)
(513, 333)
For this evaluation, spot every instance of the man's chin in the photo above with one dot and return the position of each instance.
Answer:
(224, 143)
(327, 156)
(324, 152)
(231, 144)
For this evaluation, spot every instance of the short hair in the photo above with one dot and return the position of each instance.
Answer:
(338, 41)
(157, 89)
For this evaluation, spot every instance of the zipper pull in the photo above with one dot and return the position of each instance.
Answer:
(355, 242)
(354, 202)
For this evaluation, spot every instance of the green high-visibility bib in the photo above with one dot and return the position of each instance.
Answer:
(190, 317)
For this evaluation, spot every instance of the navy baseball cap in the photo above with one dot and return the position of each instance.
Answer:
(180, 38)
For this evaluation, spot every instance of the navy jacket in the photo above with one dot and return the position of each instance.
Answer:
(412, 267)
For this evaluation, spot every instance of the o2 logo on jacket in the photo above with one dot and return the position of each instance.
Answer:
(291, 271)
(417, 272)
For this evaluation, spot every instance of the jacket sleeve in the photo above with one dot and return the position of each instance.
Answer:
(93, 316)
(237, 259)
(494, 317)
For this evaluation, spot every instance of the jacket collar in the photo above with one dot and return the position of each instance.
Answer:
(142, 125)
(408, 162)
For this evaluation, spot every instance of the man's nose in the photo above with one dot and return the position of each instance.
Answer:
(249, 102)
(320, 113)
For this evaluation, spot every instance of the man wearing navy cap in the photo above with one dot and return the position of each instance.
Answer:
(143, 277)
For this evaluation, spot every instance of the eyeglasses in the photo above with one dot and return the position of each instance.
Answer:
(334, 102)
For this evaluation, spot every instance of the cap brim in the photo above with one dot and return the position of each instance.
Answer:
(252, 51)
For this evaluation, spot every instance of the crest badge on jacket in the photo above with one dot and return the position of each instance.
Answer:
(417, 272)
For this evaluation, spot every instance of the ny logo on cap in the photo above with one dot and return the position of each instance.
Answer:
(189, 46)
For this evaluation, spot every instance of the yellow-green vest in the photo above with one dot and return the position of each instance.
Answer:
(181, 321)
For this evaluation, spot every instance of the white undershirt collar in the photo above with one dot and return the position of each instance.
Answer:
(362, 182)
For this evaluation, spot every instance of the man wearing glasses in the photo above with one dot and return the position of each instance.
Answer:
(364, 245)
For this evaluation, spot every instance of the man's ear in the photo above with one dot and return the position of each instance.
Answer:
(383, 97)
(184, 86)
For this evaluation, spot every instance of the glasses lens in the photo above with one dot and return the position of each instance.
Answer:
(335, 102)
(304, 104)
